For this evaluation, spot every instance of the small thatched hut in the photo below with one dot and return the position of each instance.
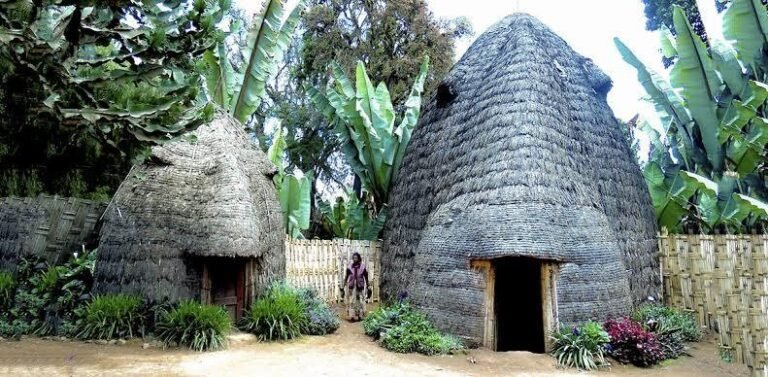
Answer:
(197, 220)
(519, 204)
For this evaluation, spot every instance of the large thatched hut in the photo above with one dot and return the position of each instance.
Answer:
(519, 204)
(197, 220)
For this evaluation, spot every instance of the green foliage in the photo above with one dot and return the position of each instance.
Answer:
(7, 286)
(191, 324)
(401, 328)
(658, 14)
(47, 298)
(279, 314)
(112, 317)
(391, 37)
(707, 165)
(581, 347)
(321, 318)
(94, 85)
(241, 90)
(669, 317)
(364, 118)
(294, 190)
(351, 219)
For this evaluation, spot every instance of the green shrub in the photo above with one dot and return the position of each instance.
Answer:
(280, 314)
(194, 325)
(401, 328)
(7, 286)
(111, 317)
(581, 347)
(46, 298)
(321, 318)
(669, 318)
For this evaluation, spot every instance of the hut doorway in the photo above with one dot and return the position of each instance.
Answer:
(520, 303)
(224, 284)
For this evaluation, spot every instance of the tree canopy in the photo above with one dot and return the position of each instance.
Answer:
(89, 85)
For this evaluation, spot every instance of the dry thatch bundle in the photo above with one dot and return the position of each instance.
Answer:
(190, 202)
(518, 154)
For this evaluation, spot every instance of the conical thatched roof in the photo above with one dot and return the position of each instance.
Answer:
(518, 154)
(210, 198)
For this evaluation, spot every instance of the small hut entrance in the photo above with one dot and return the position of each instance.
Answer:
(224, 284)
(520, 303)
(519, 309)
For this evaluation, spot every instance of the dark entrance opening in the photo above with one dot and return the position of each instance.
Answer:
(518, 304)
(227, 284)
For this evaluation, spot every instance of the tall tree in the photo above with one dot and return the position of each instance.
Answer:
(88, 86)
(390, 37)
(658, 14)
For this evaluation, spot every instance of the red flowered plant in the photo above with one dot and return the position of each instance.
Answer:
(632, 344)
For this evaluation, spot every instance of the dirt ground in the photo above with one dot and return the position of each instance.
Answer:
(347, 353)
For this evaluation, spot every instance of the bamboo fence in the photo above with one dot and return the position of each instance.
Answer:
(723, 281)
(320, 265)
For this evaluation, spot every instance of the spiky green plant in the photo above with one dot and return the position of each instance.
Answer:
(280, 314)
(581, 347)
(112, 317)
(194, 325)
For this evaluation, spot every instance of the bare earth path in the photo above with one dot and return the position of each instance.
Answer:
(346, 353)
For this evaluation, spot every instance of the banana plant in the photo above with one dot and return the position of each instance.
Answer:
(241, 90)
(349, 218)
(365, 121)
(293, 189)
(708, 163)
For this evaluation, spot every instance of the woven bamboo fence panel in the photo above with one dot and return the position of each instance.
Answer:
(67, 223)
(723, 281)
(320, 265)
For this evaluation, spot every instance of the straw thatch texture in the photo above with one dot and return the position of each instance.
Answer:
(46, 226)
(723, 281)
(211, 198)
(518, 154)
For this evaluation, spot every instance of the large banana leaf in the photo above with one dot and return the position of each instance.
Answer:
(746, 24)
(729, 66)
(364, 119)
(411, 118)
(669, 106)
(671, 193)
(294, 193)
(748, 153)
(267, 41)
(668, 44)
(276, 150)
(219, 75)
(695, 76)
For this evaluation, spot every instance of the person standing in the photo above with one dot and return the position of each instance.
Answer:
(356, 282)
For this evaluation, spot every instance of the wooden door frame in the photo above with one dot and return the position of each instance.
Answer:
(548, 274)
(243, 286)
